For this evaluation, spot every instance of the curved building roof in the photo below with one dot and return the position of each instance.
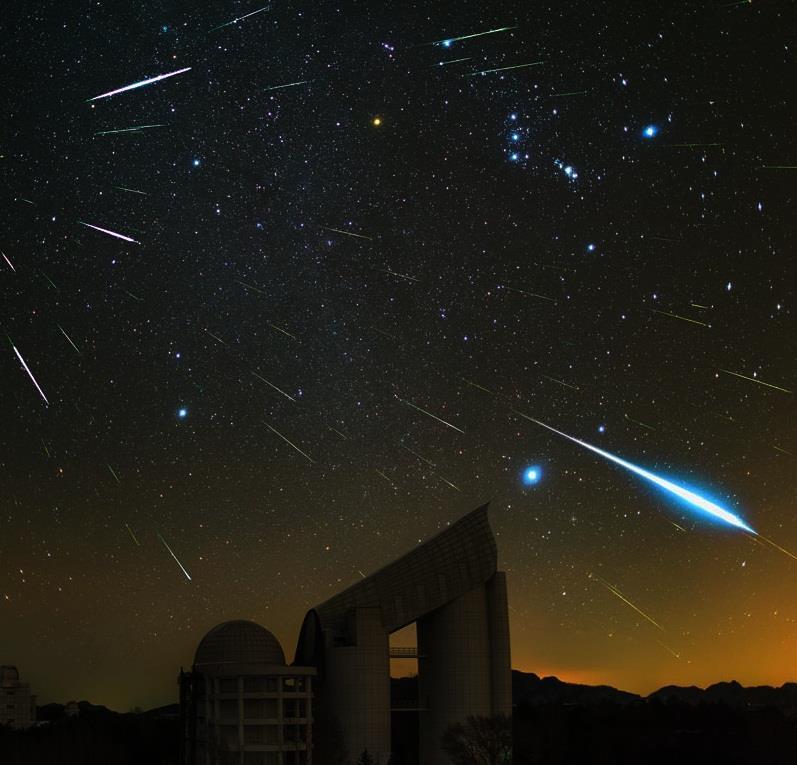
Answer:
(440, 570)
(237, 645)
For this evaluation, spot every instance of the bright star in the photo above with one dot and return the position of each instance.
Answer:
(650, 131)
(590, 248)
(376, 121)
(182, 413)
(532, 475)
(601, 428)
(513, 156)
(195, 163)
(515, 136)
(447, 43)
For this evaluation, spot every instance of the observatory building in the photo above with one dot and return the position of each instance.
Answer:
(241, 704)
(17, 704)
(451, 588)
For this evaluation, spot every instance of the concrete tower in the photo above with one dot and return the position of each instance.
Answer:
(451, 587)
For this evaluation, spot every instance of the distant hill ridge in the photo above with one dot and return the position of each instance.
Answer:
(529, 688)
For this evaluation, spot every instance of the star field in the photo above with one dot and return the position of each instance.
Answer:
(283, 314)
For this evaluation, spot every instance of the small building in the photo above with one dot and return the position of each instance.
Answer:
(241, 704)
(17, 704)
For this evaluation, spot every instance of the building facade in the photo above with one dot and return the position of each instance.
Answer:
(451, 588)
(241, 704)
(17, 704)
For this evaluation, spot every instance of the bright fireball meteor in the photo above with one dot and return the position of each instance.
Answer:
(689, 496)
(139, 84)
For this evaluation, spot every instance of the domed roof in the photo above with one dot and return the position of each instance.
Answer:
(9, 677)
(237, 642)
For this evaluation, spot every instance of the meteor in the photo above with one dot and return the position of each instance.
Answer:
(682, 318)
(132, 191)
(401, 276)
(271, 385)
(561, 382)
(689, 496)
(429, 414)
(348, 233)
(755, 380)
(128, 130)
(69, 339)
(287, 85)
(113, 473)
(139, 84)
(279, 329)
(30, 374)
(133, 535)
(503, 68)
(240, 18)
(532, 294)
(446, 43)
(10, 264)
(110, 233)
(625, 600)
(171, 552)
(290, 443)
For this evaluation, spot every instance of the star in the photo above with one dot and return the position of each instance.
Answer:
(376, 121)
(532, 475)
(182, 413)
(650, 131)
(196, 162)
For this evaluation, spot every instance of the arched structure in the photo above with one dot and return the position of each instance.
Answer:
(451, 588)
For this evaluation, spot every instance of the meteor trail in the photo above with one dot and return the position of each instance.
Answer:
(755, 380)
(249, 286)
(448, 40)
(110, 233)
(503, 68)
(10, 265)
(290, 443)
(215, 337)
(171, 552)
(532, 294)
(139, 84)
(287, 85)
(271, 385)
(637, 422)
(69, 339)
(560, 382)
(625, 600)
(689, 496)
(132, 191)
(348, 233)
(128, 130)
(113, 473)
(453, 61)
(30, 374)
(682, 318)
(133, 535)
(401, 276)
(240, 18)
(429, 414)
(284, 332)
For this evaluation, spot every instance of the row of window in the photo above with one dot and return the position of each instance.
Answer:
(258, 684)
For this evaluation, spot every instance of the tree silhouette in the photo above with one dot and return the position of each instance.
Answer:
(365, 758)
(479, 741)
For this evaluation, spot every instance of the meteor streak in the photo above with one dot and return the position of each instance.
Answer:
(30, 374)
(132, 191)
(453, 61)
(280, 329)
(133, 535)
(503, 68)
(448, 40)
(271, 385)
(755, 380)
(532, 294)
(139, 84)
(110, 233)
(637, 422)
(429, 414)
(625, 600)
(561, 382)
(348, 233)
(682, 318)
(401, 276)
(113, 473)
(128, 130)
(290, 443)
(689, 496)
(287, 85)
(171, 552)
(10, 264)
(69, 339)
(240, 18)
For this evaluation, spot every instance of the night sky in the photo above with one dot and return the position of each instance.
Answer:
(361, 260)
